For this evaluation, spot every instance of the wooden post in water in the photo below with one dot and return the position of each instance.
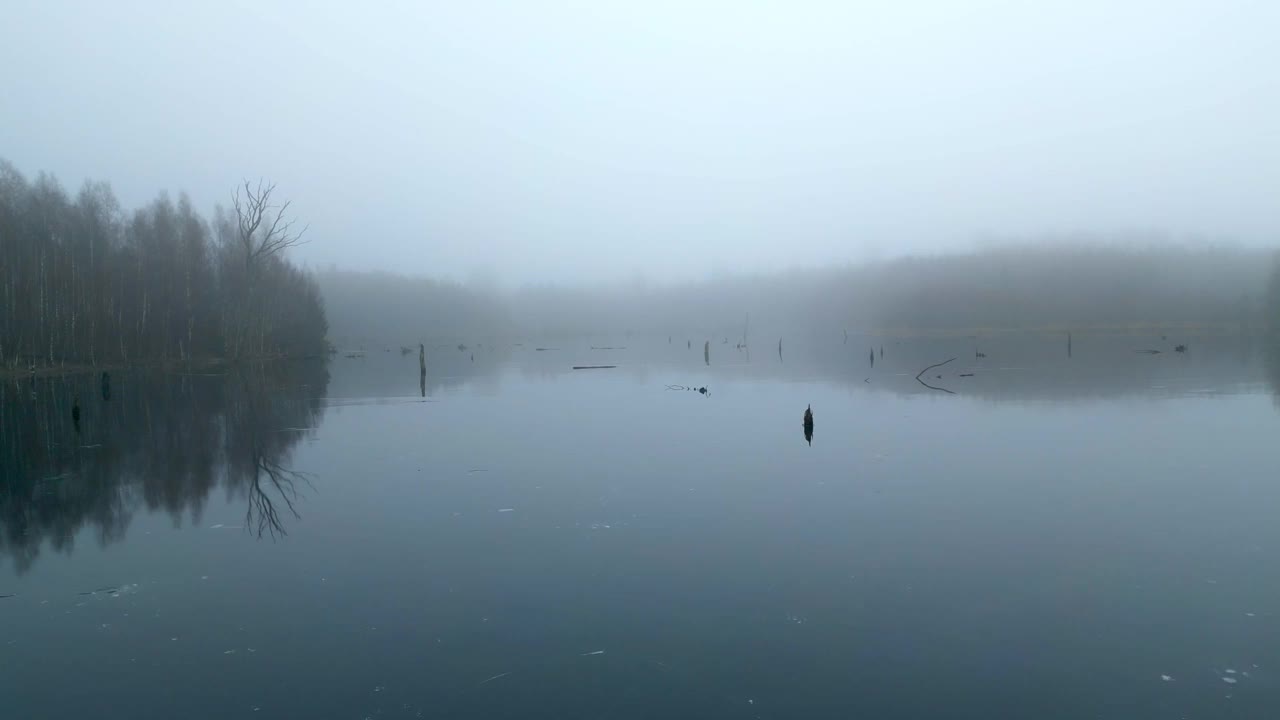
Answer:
(422, 370)
(706, 352)
(1068, 344)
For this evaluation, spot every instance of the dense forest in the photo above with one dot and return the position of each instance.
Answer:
(83, 282)
(1069, 285)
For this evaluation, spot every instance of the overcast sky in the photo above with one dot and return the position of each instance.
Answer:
(530, 141)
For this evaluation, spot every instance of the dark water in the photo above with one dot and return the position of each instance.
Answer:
(531, 541)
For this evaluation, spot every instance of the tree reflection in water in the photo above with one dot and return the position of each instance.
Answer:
(263, 515)
(161, 442)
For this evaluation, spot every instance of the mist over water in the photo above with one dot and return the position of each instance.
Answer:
(706, 555)
(1083, 286)
(578, 360)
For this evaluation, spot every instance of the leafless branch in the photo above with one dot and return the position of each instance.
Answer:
(932, 387)
(264, 227)
(263, 516)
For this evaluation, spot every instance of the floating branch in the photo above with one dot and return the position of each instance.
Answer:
(931, 387)
(594, 367)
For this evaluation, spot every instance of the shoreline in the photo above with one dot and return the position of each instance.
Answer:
(47, 371)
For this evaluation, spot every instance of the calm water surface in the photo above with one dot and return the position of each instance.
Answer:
(1084, 537)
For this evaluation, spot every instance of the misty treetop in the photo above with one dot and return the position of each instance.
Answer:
(1082, 284)
(84, 282)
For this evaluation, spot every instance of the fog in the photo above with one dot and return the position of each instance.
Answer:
(577, 143)
(1082, 284)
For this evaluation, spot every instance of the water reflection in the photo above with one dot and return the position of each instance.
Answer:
(1012, 367)
(165, 442)
(272, 489)
(162, 442)
(808, 425)
(422, 370)
(392, 375)
(1272, 365)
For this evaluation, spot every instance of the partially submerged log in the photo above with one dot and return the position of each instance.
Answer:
(932, 387)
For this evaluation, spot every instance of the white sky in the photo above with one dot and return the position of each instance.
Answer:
(564, 141)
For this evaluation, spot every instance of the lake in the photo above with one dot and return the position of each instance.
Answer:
(1035, 536)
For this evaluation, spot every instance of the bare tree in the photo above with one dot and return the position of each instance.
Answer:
(84, 282)
(262, 226)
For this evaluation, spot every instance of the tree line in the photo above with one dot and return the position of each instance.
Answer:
(84, 282)
(380, 307)
(1085, 284)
